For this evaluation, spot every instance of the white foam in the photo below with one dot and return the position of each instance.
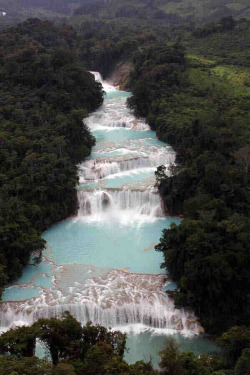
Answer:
(113, 299)
(115, 202)
(103, 167)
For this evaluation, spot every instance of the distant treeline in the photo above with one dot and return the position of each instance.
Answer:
(45, 94)
(149, 13)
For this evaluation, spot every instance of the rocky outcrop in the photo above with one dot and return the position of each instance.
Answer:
(121, 74)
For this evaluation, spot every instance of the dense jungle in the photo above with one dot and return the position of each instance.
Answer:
(187, 66)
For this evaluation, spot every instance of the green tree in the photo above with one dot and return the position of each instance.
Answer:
(24, 366)
(234, 341)
(170, 363)
(64, 369)
(242, 366)
(59, 335)
(20, 342)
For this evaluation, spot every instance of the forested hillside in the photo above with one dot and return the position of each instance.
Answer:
(194, 93)
(191, 81)
(199, 103)
(154, 12)
(45, 94)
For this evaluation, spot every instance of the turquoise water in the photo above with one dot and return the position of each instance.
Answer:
(92, 185)
(171, 286)
(117, 94)
(111, 153)
(121, 134)
(123, 178)
(121, 144)
(155, 142)
(83, 252)
(18, 294)
(109, 245)
(33, 276)
(146, 346)
(126, 177)
(31, 271)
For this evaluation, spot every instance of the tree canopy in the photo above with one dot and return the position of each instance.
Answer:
(45, 94)
(203, 113)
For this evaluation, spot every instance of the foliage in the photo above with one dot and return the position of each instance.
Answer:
(201, 108)
(45, 95)
(196, 99)
(20, 342)
(242, 366)
(74, 349)
(93, 349)
(10, 365)
(59, 335)
(175, 362)
(148, 12)
(234, 341)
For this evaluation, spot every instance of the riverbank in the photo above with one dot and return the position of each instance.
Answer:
(190, 107)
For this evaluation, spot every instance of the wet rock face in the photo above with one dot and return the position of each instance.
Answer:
(192, 324)
(105, 201)
(121, 74)
(88, 208)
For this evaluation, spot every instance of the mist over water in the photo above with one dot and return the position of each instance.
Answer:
(101, 265)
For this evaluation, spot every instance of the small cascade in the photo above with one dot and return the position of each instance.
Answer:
(93, 170)
(114, 113)
(111, 118)
(100, 168)
(99, 201)
(114, 299)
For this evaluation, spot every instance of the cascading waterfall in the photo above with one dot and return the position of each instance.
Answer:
(115, 299)
(135, 302)
(111, 297)
(97, 201)
(100, 168)
(115, 115)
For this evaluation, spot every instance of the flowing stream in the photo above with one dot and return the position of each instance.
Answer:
(101, 265)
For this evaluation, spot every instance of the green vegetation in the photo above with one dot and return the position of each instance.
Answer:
(201, 108)
(94, 350)
(45, 94)
(205, 10)
(147, 12)
(74, 349)
(192, 83)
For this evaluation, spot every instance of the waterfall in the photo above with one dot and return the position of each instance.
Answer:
(114, 299)
(111, 118)
(92, 170)
(98, 169)
(154, 315)
(114, 112)
(98, 201)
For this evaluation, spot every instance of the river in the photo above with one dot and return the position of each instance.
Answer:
(101, 264)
